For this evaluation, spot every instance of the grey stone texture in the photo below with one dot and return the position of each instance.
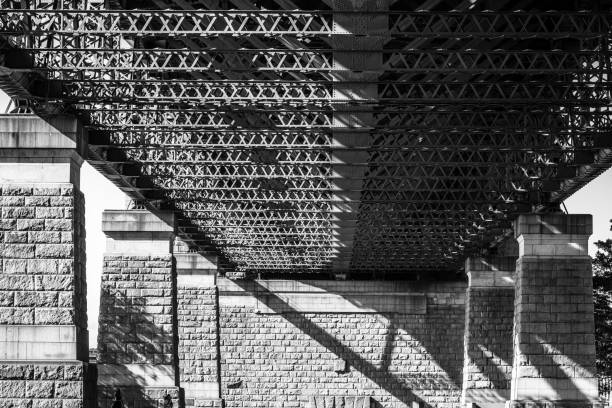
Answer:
(136, 310)
(42, 255)
(490, 313)
(554, 343)
(139, 397)
(554, 326)
(42, 287)
(197, 335)
(45, 385)
(137, 326)
(396, 359)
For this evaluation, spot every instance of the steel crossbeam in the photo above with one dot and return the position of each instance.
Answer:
(325, 93)
(340, 140)
(95, 64)
(205, 23)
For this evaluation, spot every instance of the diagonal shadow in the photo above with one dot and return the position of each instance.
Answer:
(392, 384)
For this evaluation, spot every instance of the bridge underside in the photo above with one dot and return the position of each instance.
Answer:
(374, 138)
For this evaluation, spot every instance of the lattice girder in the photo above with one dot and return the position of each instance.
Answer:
(339, 140)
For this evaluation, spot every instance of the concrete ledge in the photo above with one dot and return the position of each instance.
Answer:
(197, 279)
(491, 279)
(39, 343)
(491, 272)
(556, 389)
(201, 390)
(196, 270)
(195, 262)
(487, 398)
(574, 224)
(553, 245)
(116, 222)
(406, 303)
(493, 263)
(32, 132)
(145, 375)
(40, 166)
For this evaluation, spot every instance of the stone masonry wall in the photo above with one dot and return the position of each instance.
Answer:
(554, 327)
(42, 289)
(136, 321)
(136, 310)
(197, 328)
(197, 332)
(294, 359)
(491, 311)
(42, 256)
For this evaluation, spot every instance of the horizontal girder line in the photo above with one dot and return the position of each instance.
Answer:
(325, 208)
(411, 162)
(374, 145)
(330, 201)
(421, 24)
(278, 93)
(368, 148)
(331, 191)
(334, 177)
(88, 61)
(423, 109)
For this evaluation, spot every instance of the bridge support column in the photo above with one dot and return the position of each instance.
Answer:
(554, 344)
(198, 329)
(136, 340)
(488, 331)
(43, 321)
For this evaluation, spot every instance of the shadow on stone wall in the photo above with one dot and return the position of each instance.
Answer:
(136, 352)
(404, 388)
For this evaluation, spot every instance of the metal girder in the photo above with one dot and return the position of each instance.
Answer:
(328, 140)
(205, 23)
(327, 93)
(132, 64)
(524, 119)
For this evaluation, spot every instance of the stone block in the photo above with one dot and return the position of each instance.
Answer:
(58, 224)
(17, 212)
(51, 212)
(54, 316)
(36, 201)
(54, 282)
(39, 389)
(30, 225)
(68, 389)
(47, 403)
(42, 266)
(16, 237)
(44, 237)
(14, 266)
(48, 371)
(19, 251)
(54, 250)
(40, 299)
(12, 389)
(17, 283)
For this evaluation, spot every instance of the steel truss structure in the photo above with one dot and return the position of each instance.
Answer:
(361, 137)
